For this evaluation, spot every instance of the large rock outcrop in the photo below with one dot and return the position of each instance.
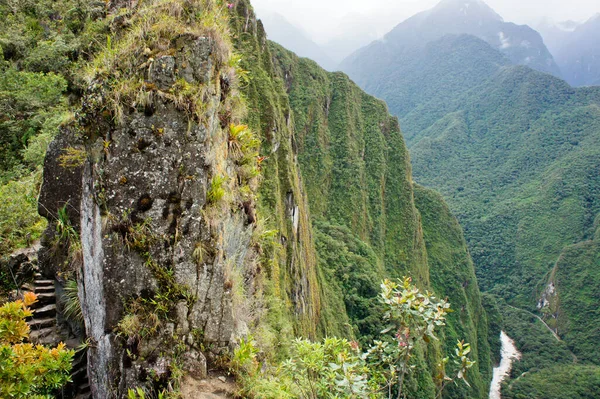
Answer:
(162, 197)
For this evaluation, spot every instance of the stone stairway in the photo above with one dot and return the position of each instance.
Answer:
(44, 330)
(42, 324)
(79, 376)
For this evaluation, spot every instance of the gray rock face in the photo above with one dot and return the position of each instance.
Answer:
(140, 205)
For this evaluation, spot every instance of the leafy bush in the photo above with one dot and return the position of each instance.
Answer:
(332, 369)
(20, 223)
(28, 371)
(337, 368)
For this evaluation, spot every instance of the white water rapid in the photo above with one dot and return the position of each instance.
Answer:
(508, 354)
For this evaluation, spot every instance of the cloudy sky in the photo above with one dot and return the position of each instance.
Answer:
(323, 20)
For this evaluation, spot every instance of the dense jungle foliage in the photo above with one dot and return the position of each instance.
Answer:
(516, 154)
(351, 155)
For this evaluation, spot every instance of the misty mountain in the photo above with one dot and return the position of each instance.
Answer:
(353, 32)
(519, 43)
(281, 31)
(555, 34)
(576, 50)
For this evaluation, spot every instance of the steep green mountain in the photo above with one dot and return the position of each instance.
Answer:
(210, 185)
(452, 275)
(369, 218)
(516, 154)
(424, 86)
(393, 56)
(517, 159)
(571, 299)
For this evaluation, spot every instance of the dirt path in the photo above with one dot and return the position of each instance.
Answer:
(213, 387)
(540, 319)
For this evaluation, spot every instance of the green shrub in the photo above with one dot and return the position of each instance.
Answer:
(20, 223)
(337, 368)
(28, 371)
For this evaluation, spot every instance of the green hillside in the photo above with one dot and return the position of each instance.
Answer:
(517, 160)
(573, 305)
(516, 154)
(573, 382)
(39, 59)
(453, 276)
(286, 235)
(370, 219)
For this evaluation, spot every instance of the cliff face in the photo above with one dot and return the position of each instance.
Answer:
(163, 195)
(371, 220)
(184, 186)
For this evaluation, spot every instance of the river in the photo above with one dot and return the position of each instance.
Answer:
(508, 354)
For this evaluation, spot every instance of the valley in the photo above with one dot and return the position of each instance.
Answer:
(212, 214)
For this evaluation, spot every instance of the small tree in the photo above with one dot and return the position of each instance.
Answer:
(28, 371)
(461, 358)
(332, 369)
(413, 317)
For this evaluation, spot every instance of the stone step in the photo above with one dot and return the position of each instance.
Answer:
(38, 275)
(83, 389)
(28, 287)
(44, 289)
(44, 282)
(49, 297)
(36, 324)
(86, 395)
(40, 304)
(79, 374)
(46, 311)
(37, 335)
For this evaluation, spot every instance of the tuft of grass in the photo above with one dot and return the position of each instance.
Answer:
(70, 300)
(216, 191)
(72, 157)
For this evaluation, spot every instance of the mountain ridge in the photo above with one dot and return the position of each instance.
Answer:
(520, 43)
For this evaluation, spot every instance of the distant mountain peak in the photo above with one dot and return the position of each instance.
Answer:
(595, 17)
(467, 8)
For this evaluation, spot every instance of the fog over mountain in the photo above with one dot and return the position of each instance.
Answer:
(387, 68)
(576, 49)
(280, 30)
(322, 20)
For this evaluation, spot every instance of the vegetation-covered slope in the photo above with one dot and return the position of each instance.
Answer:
(42, 45)
(367, 212)
(284, 230)
(518, 161)
(453, 276)
(561, 382)
(574, 302)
